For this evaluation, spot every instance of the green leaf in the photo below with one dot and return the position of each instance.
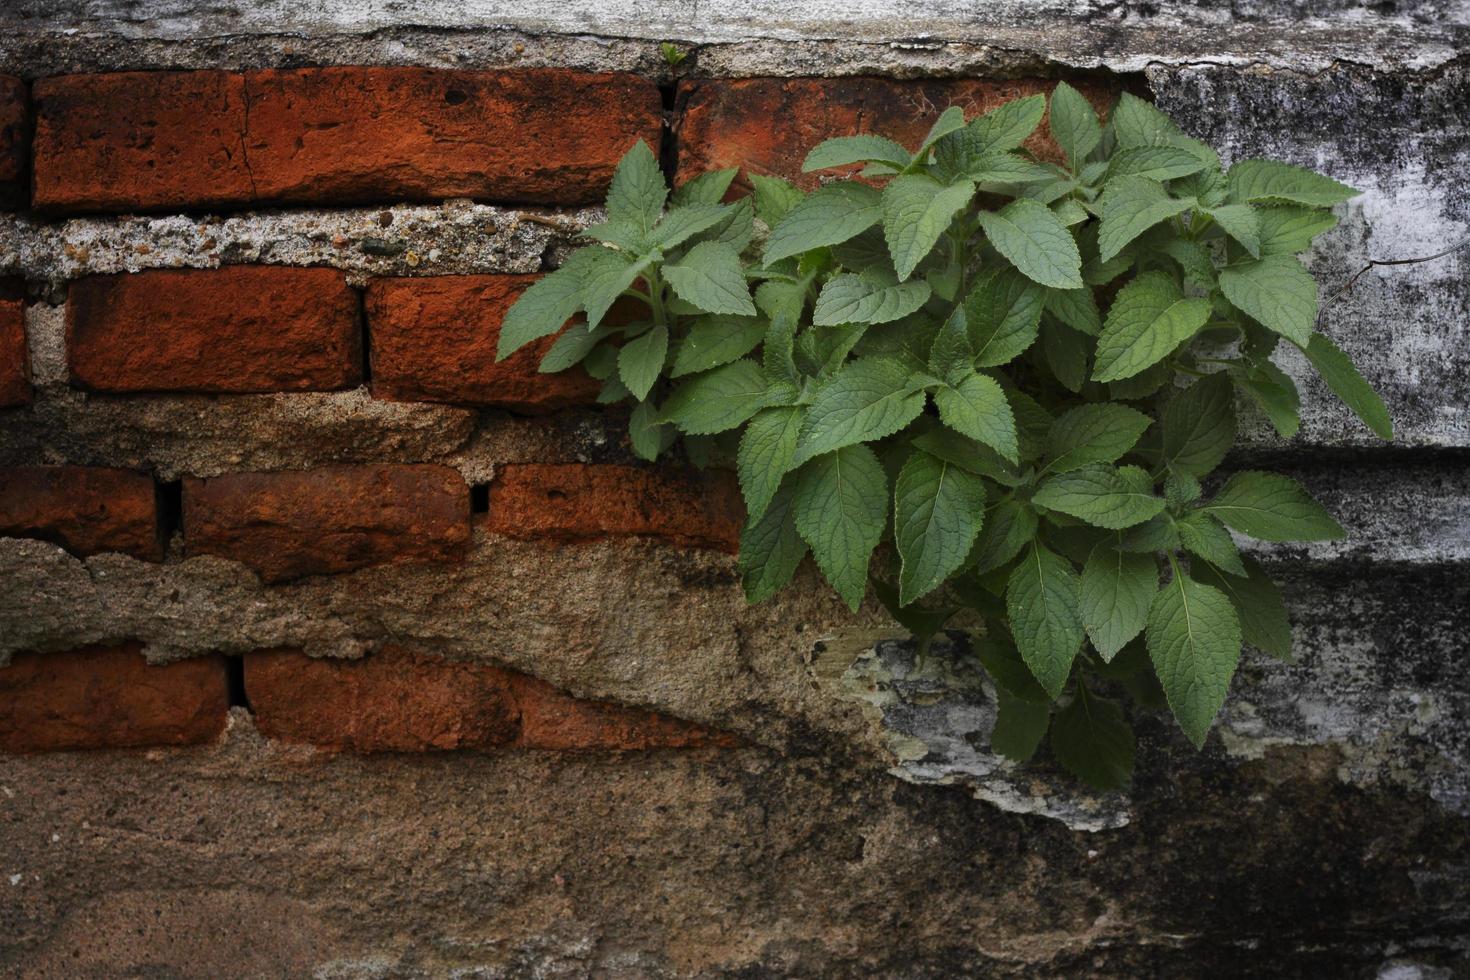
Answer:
(1002, 661)
(1137, 123)
(1202, 535)
(1193, 638)
(1077, 308)
(1036, 242)
(1271, 507)
(1147, 322)
(543, 309)
(833, 214)
(1007, 126)
(1268, 180)
(951, 356)
(641, 360)
(647, 435)
(1337, 369)
(1073, 124)
(1009, 526)
(1043, 600)
(712, 278)
(916, 211)
(863, 148)
(949, 121)
(767, 450)
(571, 348)
(683, 223)
(864, 298)
(868, 399)
(717, 339)
(774, 197)
(1275, 393)
(638, 190)
(717, 400)
(1117, 587)
(1093, 434)
(1102, 495)
(1003, 316)
(1288, 230)
(707, 188)
(990, 169)
(1019, 726)
(1092, 740)
(976, 407)
(771, 547)
(1199, 426)
(1240, 223)
(1154, 162)
(841, 510)
(938, 510)
(1277, 291)
(1130, 207)
(605, 275)
(1263, 619)
(1065, 351)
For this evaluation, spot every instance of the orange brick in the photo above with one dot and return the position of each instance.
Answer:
(85, 509)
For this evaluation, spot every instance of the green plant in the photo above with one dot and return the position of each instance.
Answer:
(1022, 374)
(672, 56)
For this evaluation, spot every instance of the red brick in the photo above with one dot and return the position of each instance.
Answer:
(109, 697)
(397, 700)
(152, 140)
(15, 132)
(334, 519)
(571, 502)
(15, 371)
(237, 329)
(433, 339)
(768, 125)
(391, 701)
(85, 509)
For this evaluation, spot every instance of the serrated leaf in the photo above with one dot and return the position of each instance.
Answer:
(1137, 123)
(1193, 637)
(949, 121)
(717, 339)
(1194, 261)
(1337, 369)
(1034, 239)
(1077, 308)
(1073, 124)
(773, 197)
(1271, 389)
(641, 360)
(543, 309)
(1043, 603)
(1066, 352)
(1240, 223)
(1270, 180)
(683, 223)
(638, 190)
(571, 348)
(1117, 587)
(711, 277)
(767, 449)
(1199, 426)
(605, 275)
(976, 406)
(1264, 622)
(1271, 507)
(771, 547)
(1102, 495)
(1019, 726)
(1009, 526)
(950, 354)
(1007, 126)
(831, 215)
(717, 400)
(646, 434)
(707, 188)
(841, 510)
(991, 169)
(1130, 207)
(868, 399)
(1158, 162)
(1288, 230)
(1093, 434)
(1003, 317)
(844, 151)
(1002, 661)
(1093, 741)
(1276, 291)
(938, 510)
(1202, 535)
(1148, 321)
(861, 298)
(916, 211)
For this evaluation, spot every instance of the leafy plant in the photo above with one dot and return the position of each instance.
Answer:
(1021, 374)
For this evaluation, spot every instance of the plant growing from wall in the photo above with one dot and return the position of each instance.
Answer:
(1021, 374)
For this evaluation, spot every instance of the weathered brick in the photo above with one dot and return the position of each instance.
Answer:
(768, 125)
(393, 700)
(236, 329)
(433, 339)
(15, 133)
(109, 697)
(569, 502)
(15, 371)
(151, 140)
(334, 519)
(85, 509)
(398, 700)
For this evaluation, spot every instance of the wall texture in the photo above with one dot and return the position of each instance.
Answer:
(333, 648)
